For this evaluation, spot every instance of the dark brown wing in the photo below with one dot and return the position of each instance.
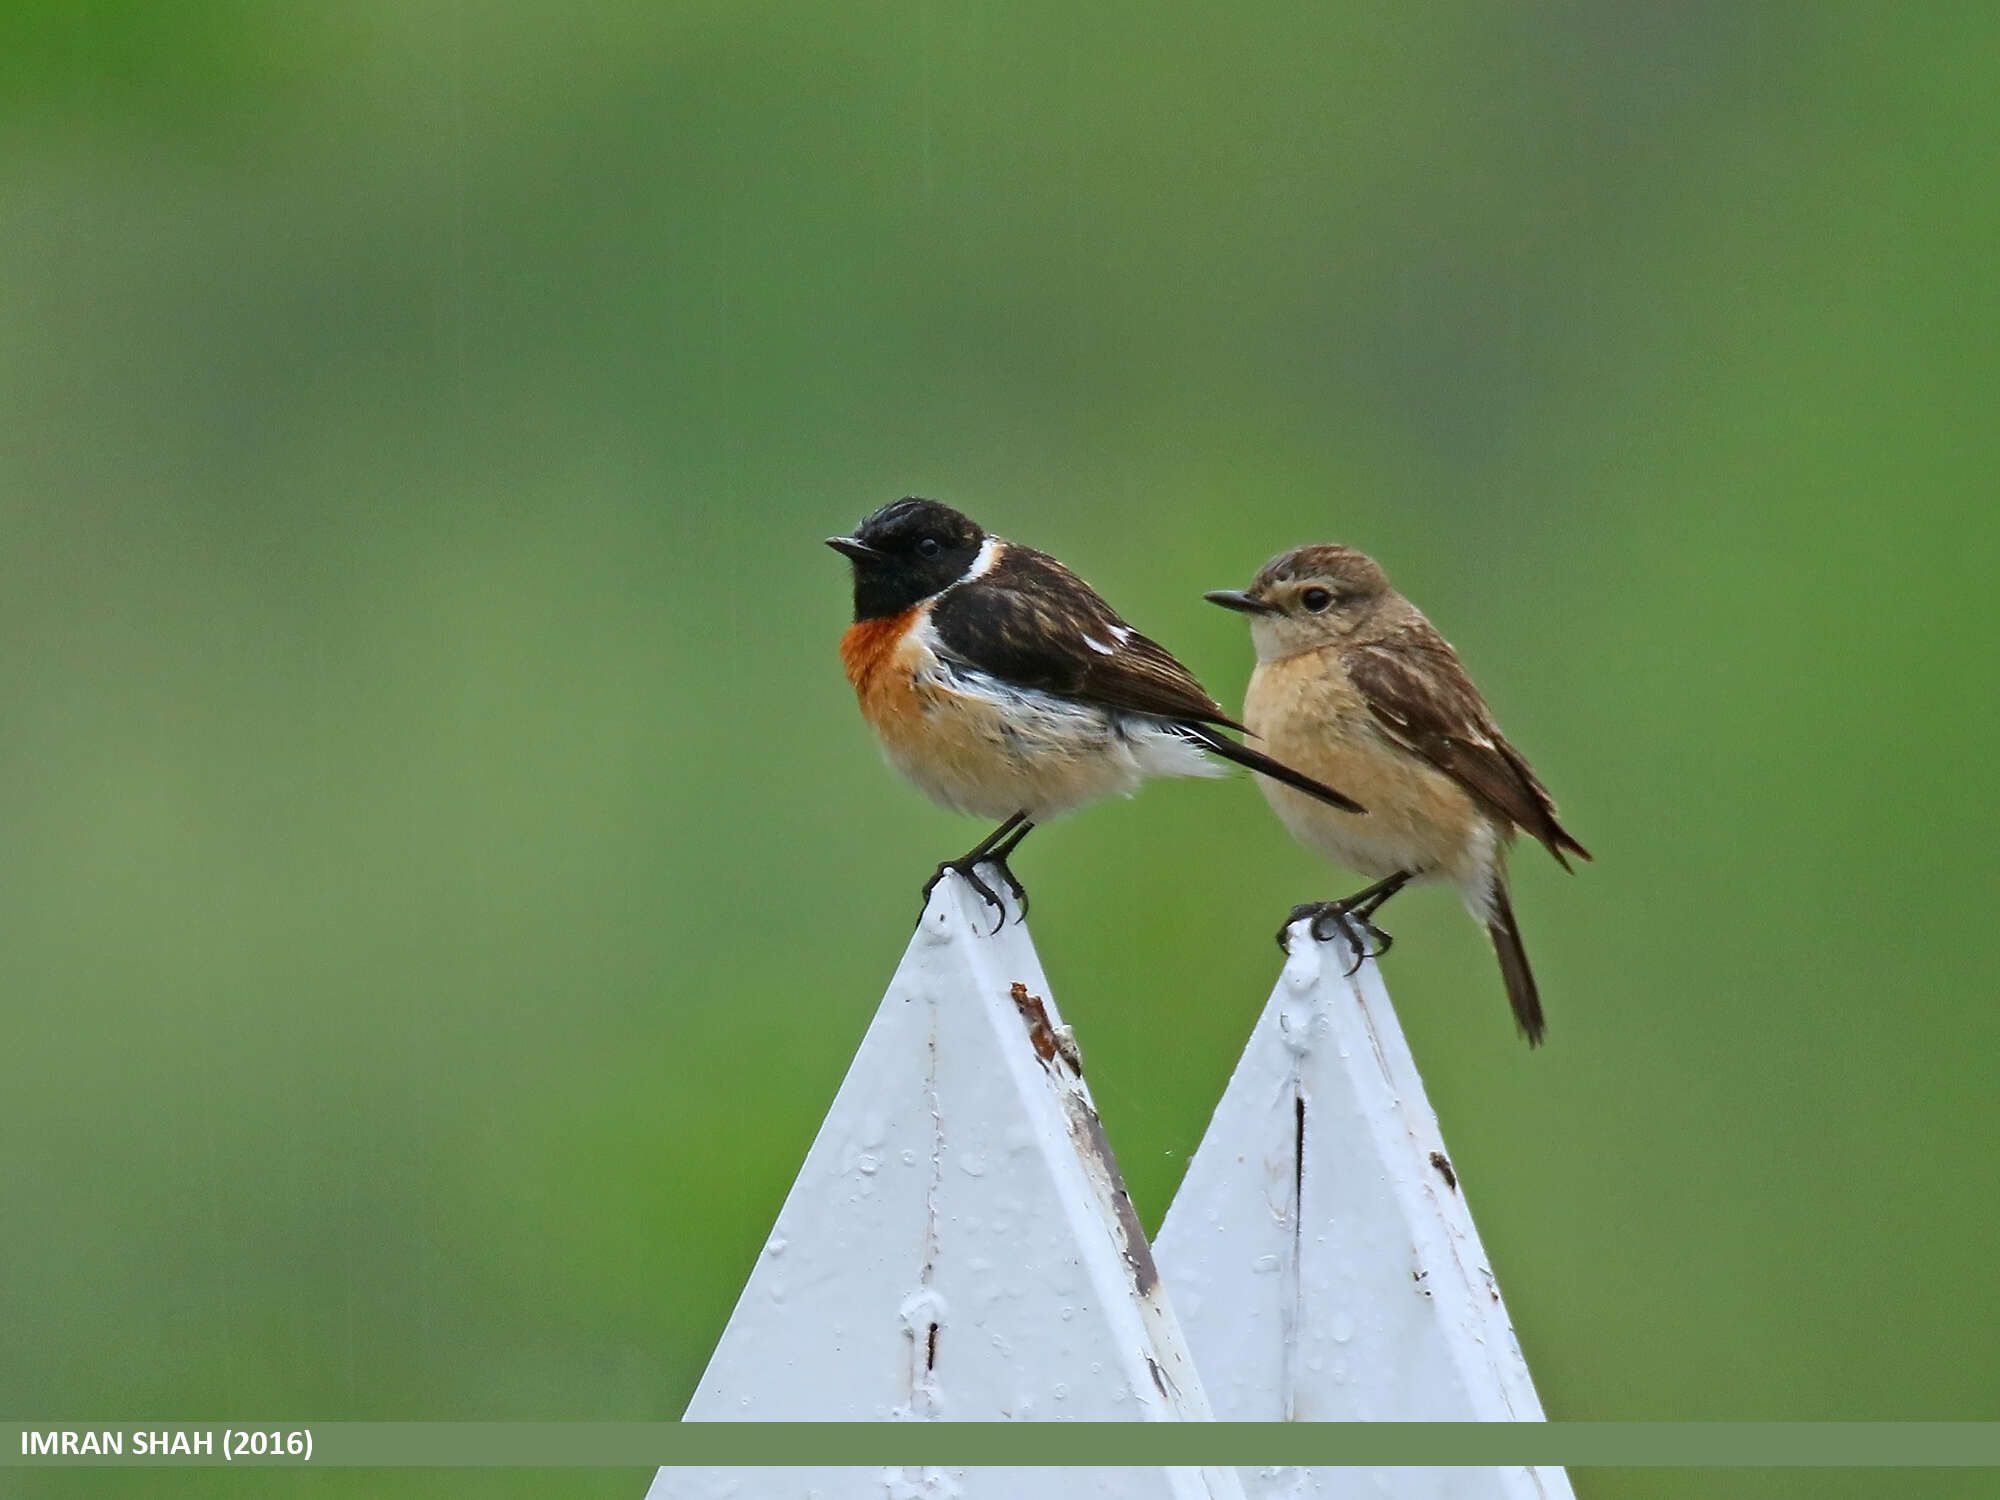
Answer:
(1030, 621)
(1421, 696)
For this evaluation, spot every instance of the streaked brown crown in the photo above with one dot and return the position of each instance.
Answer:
(1347, 572)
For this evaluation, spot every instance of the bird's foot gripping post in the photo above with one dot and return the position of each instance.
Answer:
(992, 853)
(1331, 919)
(1351, 918)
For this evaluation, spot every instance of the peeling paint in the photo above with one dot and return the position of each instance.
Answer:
(1034, 1013)
(1049, 1040)
(1088, 1132)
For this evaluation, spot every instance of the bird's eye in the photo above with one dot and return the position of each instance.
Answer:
(929, 546)
(1316, 600)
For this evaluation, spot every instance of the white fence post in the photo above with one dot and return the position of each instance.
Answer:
(1320, 1252)
(957, 1245)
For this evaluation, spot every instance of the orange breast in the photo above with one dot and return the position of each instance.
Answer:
(868, 651)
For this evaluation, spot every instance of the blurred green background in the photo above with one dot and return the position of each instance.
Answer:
(445, 875)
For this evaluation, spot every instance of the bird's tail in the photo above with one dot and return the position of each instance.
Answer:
(1506, 935)
(1217, 743)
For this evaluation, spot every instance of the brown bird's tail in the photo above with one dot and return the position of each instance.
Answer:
(1521, 991)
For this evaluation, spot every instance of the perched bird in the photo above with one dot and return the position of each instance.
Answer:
(1001, 684)
(1354, 685)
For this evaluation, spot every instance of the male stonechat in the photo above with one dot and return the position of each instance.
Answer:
(1002, 685)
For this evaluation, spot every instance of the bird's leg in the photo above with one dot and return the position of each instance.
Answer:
(980, 853)
(1366, 902)
(1351, 918)
(1363, 904)
(1005, 851)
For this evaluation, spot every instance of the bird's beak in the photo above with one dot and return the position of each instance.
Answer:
(850, 547)
(1236, 599)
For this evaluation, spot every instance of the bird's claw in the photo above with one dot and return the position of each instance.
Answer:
(1331, 918)
(1298, 914)
(969, 869)
(1013, 884)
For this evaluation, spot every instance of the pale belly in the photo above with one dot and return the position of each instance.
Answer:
(980, 747)
(970, 756)
(1418, 819)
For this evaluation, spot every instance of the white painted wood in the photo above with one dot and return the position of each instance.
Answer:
(1320, 1253)
(938, 1484)
(1468, 1483)
(958, 1244)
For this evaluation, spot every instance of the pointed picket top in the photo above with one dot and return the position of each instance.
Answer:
(958, 1244)
(1319, 1251)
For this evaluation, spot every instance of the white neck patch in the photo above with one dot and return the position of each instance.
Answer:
(989, 554)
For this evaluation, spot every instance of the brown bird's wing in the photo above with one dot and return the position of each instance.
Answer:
(1423, 700)
(1031, 622)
